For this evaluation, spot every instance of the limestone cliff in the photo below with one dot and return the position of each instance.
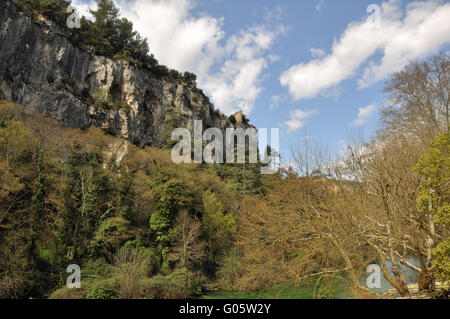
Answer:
(42, 70)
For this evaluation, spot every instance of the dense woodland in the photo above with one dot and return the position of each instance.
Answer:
(141, 226)
(154, 228)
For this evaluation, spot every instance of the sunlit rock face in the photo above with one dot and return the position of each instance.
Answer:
(41, 69)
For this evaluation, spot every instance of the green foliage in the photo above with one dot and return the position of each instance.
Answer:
(70, 201)
(441, 262)
(242, 179)
(102, 96)
(97, 269)
(434, 196)
(178, 285)
(102, 290)
(231, 269)
(80, 212)
(171, 198)
(306, 289)
(190, 78)
(55, 10)
(109, 237)
(435, 188)
(46, 255)
(15, 141)
(125, 196)
(103, 99)
(112, 226)
(217, 227)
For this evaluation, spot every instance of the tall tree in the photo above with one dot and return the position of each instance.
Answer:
(105, 28)
(188, 249)
(434, 198)
(418, 100)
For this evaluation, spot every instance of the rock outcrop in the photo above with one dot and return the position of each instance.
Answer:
(41, 69)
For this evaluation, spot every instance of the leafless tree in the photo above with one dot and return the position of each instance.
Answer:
(419, 98)
(189, 249)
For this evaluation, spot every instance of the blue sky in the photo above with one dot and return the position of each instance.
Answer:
(314, 67)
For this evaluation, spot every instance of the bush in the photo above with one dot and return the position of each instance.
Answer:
(97, 268)
(130, 266)
(102, 290)
(112, 233)
(181, 284)
(231, 269)
(190, 78)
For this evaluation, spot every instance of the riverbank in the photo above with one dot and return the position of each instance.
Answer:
(308, 289)
(415, 294)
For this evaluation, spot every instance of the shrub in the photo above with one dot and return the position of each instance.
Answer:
(112, 233)
(102, 290)
(97, 268)
(130, 266)
(190, 78)
(181, 284)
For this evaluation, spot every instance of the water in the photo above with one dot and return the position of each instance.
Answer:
(306, 292)
(411, 276)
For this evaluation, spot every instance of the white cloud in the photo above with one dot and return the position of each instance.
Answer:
(364, 114)
(239, 80)
(176, 37)
(187, 41)
(424, 29)
(297, 119)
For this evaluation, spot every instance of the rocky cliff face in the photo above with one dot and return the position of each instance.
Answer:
(42, 70)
